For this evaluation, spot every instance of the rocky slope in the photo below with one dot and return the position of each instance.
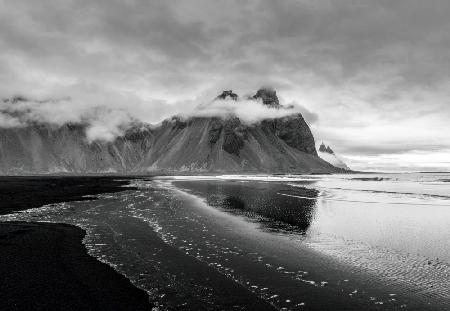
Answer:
(192, 145)
(327, 154)
(41, 148)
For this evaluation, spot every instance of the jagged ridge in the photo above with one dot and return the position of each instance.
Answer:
(327, 154)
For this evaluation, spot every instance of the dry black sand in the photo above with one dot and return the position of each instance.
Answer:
(24, 192)
(45, 267)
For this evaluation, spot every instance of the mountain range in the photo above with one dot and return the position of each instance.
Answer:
(178, 145)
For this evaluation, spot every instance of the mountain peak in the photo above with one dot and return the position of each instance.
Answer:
(268, 96)
(326, 149)
(327, 154)
(228, 94)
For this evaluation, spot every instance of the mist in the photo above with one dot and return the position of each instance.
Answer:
(107, 119)
(249, 111)
(102, 122)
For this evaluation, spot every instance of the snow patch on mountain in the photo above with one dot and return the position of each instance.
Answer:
(327, 154)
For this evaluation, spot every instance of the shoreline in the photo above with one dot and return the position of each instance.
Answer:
(381, 283)
(43, 252)
(46, 266)
(183, 268)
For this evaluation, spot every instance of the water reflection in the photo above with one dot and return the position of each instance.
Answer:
(277, 206)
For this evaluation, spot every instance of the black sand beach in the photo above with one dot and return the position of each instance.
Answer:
(45, 267)
(25, 192)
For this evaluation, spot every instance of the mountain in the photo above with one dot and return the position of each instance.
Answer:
(42, 148)
(177, 145)
(327, 154)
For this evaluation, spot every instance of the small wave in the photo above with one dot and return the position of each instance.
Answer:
(370, 178)
(436, 196)
(361, 201)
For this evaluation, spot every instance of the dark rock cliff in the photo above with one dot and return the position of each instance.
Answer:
(294, 131)
(228, 95)
(235, 135)
(269, 97)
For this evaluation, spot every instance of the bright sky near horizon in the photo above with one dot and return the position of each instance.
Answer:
(371, 76)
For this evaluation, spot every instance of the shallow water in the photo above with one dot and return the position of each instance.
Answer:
(404, 212)
(297, 242)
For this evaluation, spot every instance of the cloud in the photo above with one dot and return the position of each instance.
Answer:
(108, 126)
(309, 116)
(424, 161)
(109, 118)
(102, 122)
(247, 110)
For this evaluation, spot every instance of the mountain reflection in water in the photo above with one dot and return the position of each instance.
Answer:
(271, 204)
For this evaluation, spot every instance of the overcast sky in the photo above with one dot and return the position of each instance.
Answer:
(373, 74)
